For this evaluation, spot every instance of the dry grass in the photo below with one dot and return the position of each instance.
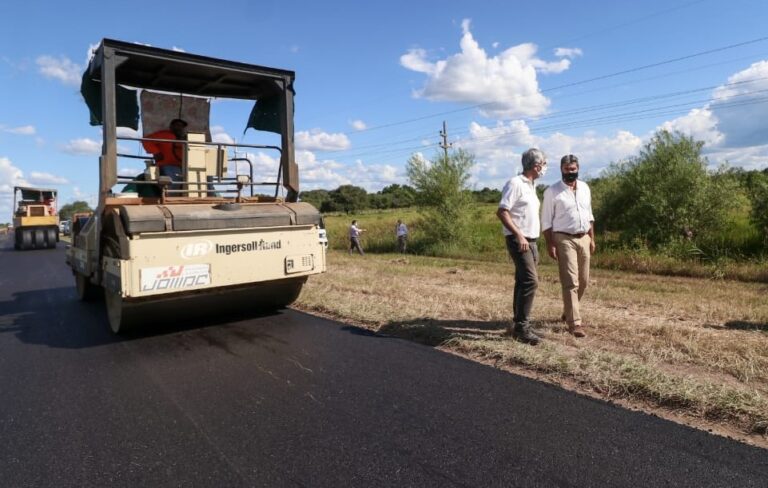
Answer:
(692, 346)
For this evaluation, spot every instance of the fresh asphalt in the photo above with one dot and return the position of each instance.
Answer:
(289, 399)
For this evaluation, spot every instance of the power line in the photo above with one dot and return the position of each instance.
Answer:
(590, 109)
(604, 30)
(575, 83)
(557, 113)
(673, 109)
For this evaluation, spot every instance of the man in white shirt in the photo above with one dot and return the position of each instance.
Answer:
(401, 231)
(568, 225)
(519, 214)
(354, 238)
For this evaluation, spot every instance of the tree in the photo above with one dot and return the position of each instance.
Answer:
(756, 185)
(349, 198)
(66, 211)
(663, 193)
(487, 195)
(444, 198)
(402, 195)
(380, 201)
(315, 197)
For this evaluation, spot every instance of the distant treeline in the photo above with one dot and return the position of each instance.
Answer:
(666, 200)
(351, 199)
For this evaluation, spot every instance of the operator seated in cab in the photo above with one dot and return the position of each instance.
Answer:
(169, 155)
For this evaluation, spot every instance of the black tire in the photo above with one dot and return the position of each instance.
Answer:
(52, 237)
(39, 240)
(26, 239)
(121, 315)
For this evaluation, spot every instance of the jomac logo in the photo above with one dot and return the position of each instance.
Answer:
(196, 249)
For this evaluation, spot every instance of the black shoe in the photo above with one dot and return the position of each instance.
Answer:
(524, 334)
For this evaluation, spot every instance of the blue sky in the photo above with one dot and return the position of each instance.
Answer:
(376, 80)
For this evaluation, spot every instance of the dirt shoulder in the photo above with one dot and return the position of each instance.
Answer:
(691, 350)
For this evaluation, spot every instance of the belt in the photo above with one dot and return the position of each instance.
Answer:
(529, 239)
(577, 236)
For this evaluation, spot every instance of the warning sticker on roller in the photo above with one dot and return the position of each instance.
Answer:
(171, 278)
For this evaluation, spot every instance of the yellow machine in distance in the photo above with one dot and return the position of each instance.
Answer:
(35, 218)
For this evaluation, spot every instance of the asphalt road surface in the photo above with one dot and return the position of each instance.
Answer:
(293, 400)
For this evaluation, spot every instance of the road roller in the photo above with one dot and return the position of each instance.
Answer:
(192, 233)
(35, 218)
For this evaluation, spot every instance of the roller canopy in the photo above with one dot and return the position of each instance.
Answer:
(177, 72)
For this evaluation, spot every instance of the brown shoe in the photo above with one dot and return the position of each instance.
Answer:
(577, 331)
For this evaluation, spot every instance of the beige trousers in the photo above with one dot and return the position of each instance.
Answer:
(573, 262)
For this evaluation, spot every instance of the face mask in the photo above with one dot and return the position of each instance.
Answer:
(570, 177)
(543, 171)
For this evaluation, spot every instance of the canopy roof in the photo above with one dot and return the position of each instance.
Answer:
(158, 69)
(166, 70)
(35, 194)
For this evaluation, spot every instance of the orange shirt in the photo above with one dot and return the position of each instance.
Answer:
(170, 153)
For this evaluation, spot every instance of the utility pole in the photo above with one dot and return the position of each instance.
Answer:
(445, 144)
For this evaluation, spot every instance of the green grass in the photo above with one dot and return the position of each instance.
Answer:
(735, 254)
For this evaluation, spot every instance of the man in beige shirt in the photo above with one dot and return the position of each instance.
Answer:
(568, 226)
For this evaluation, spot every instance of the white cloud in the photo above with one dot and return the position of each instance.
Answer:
(416, 60)
(330, 174)
(741, 109)
(90, 198)
(358, 124)
(62, 69)
(498, 149)
(699, 123)
(127, 132)
(495, 45)
(39, 178)
(749, 158)
(131, 171)
(91, 52)
(736, 117)
(82, 147)
(294, 49)
(567, 52)
(178, 49)
(218, 134)
(317, 173)
(317, 140)
(10, 176)
(24, 130)
(506, 84)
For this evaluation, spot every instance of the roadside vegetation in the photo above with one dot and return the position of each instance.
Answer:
(677, 315)
(661, 212)
(694, 348)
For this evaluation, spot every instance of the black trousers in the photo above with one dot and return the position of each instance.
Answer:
(354, 243)
(526, 278)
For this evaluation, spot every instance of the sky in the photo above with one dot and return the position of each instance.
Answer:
(376, 80)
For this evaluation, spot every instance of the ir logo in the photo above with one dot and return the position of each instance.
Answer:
(196, 249)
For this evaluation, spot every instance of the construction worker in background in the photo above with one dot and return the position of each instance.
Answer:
(401, 231)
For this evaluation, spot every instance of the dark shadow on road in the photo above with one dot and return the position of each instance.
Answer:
(435, 332)
(56, 318)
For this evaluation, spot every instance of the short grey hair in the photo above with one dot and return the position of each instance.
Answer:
(532, 157)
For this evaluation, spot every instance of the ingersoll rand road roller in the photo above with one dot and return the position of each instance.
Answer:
(186, 235)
